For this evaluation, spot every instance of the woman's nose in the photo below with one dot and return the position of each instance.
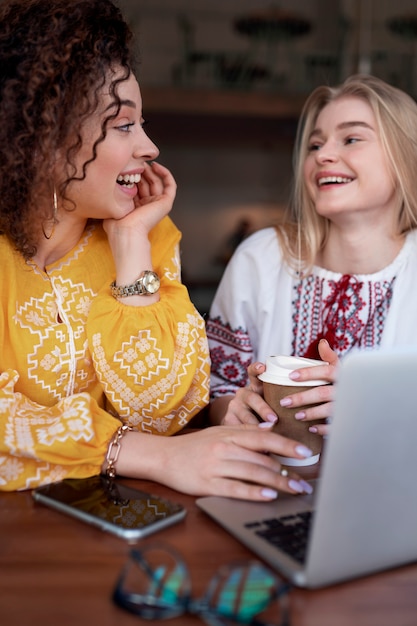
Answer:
(145, 147)
(326, 153)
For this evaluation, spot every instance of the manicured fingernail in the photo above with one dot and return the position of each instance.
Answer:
(294, 375)
(296, 485)
(271, 418)
(313, 429)
(270, 494)
(307, 488)
(265, 424)
(300, 486)
(258, 366)
(300, 415)
(303, 451)
(285, 402)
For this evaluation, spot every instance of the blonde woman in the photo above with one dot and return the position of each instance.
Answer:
(340, 272)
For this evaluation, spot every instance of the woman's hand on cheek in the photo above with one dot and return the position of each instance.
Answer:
(157, 187)
(156, 195)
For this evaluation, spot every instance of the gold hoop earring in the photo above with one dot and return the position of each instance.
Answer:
(54, 217)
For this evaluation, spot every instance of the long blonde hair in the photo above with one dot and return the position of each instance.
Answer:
(305, 232)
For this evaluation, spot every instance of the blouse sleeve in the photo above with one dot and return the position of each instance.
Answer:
(152, 361)
(232, 328)
(41, 444)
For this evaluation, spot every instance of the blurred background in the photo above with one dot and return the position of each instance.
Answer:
(223, 83)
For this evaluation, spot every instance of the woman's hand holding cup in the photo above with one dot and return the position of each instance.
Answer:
(278, 386)
(315, 403)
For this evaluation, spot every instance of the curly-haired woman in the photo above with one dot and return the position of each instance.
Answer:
(102, 351)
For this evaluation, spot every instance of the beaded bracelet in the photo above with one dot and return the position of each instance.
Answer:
(114, 449)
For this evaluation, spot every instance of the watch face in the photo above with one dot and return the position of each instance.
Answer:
(151, 282)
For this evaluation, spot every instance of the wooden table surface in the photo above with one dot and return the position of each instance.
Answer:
(58, 570)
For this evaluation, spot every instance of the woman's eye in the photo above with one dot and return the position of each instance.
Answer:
(313, 146)
(125, 128)
(351, 140)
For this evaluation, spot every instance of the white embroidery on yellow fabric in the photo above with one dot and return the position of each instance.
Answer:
(46, 473)
(10, 469)
(71, 422)
(62, 346)
(46, 435)
(174, 272)
(28, 425)
(141, 362)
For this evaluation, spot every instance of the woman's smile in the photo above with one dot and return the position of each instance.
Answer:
(111, 180)
(346, 169)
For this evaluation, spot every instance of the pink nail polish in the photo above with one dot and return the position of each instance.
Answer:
(300, 415)
(285, 402)
(269, 494)
(304, 451)
(294, 484)
(271, 418)
(306, 486)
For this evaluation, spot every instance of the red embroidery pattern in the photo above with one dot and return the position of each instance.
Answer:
(231, 353)
(352, 313)
(348, 312)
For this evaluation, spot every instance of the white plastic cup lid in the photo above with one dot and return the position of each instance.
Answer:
(278, 369)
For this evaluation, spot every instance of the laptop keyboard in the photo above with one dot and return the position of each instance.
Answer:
(289, 533)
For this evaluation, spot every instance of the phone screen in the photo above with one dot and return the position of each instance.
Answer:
(110, 505)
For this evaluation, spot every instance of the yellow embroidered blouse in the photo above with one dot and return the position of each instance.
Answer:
(72, 359)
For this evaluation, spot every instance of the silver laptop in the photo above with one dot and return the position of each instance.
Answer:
(362, 516)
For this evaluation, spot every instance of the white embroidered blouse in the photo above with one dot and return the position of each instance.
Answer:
(261, 308)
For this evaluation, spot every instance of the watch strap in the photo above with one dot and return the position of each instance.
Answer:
(138, 288)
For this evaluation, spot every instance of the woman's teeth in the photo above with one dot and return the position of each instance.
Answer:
(129, 180)
(333, 179)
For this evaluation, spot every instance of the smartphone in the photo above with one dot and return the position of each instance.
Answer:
(124, 511)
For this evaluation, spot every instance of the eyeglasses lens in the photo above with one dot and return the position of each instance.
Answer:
(239, 593)
(155, 585)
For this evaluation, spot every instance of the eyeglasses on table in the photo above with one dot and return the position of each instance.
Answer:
(155, 584)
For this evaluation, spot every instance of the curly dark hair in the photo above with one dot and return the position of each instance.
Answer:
(55, 56)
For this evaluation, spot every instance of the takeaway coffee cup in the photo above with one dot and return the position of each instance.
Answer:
(277, 385)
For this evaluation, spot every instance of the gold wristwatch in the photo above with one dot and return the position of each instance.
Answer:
(147, 284)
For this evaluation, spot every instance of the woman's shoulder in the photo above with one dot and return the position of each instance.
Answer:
(258, 251)
(407, 257)
(8, 254)
(412, 237)
(5, 243)
(264, 239)
(408, 253)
